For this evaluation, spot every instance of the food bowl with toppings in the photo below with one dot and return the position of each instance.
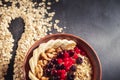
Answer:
(62, 57)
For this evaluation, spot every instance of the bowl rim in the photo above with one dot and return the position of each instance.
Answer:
(60, 34)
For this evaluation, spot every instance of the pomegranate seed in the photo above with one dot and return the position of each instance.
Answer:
(66, 63)
(73, 61)
(69, 64)
(63, 71)
(62, 76)
(75, 56)
(70, 60)
(66, 59)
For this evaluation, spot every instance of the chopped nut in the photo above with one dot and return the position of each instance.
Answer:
(45, 62)
(40, 62)
(36, 69)
(45, 56)
(57, 21)
(54, 53)
(49, 3)
(40, 73)
(58, 49)
(50, 55)
(44, 78)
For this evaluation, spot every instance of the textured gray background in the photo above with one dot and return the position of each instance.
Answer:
(96, 21)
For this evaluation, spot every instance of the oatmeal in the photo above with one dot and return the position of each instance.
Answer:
(38, 22)
(59, 60)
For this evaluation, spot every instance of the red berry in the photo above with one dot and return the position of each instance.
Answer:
(66, 54)
(77, 50)
(70, 60)
(66, 63)
(75, 56)
(61, 72)
(69, 64)
(60, 61)
(73, 61)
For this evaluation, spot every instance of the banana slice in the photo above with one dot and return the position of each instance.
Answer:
(32, 76)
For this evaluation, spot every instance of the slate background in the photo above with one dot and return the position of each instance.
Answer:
(96, 21)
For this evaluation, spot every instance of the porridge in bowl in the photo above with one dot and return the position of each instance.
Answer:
(60, 59)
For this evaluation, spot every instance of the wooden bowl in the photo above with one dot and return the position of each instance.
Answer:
(96, 65)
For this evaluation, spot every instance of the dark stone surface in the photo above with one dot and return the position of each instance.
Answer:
(96, 21)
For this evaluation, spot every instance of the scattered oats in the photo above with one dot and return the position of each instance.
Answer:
(5, 5)
(36, 26)
(48, 8)
(49, 3)
(6, 0)
(6, 43)
(57, 0)
(50, 33)
(64, 27)
(43, 0)
(0, 2)
(57, 21)
(51, 14)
